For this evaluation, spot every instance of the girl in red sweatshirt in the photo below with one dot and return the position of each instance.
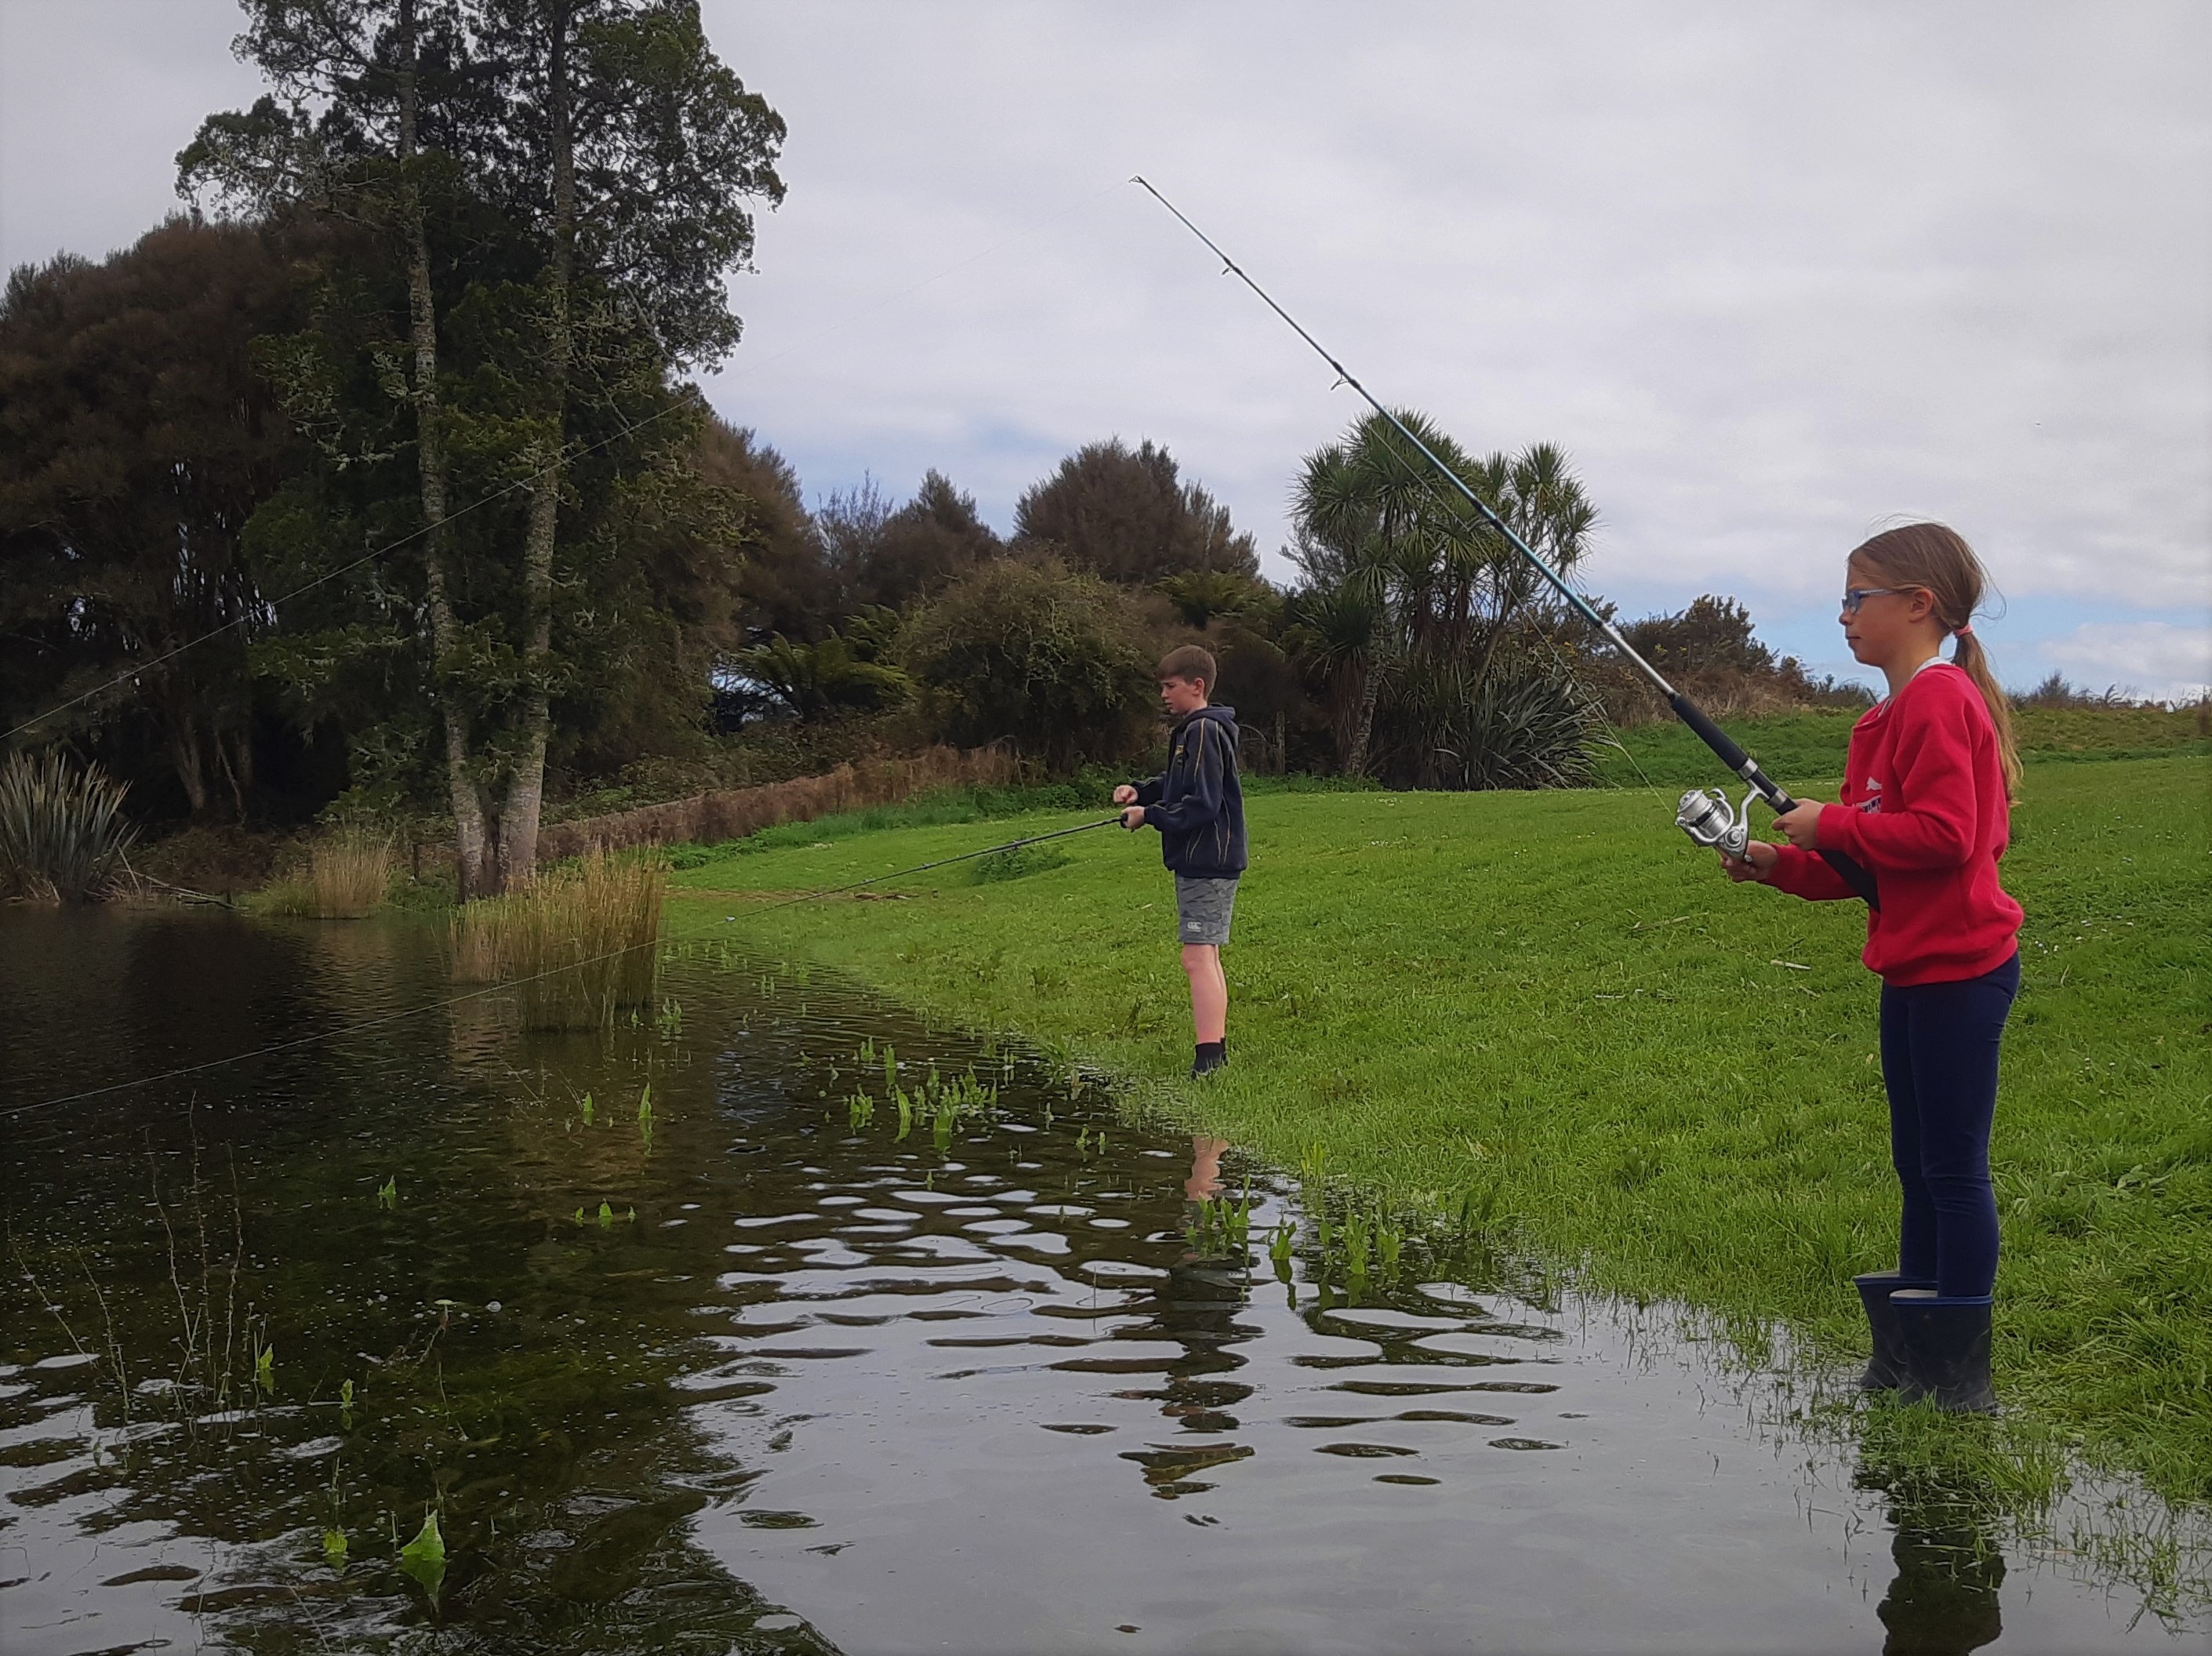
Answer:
(1926, 809)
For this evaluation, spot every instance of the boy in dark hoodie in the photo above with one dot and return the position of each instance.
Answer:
(1198, 806)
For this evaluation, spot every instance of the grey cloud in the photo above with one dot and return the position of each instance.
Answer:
(1773, 273)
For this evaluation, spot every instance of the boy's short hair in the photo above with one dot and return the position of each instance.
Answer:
(1187, 661)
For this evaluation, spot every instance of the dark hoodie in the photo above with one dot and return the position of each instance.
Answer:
(1197, 803)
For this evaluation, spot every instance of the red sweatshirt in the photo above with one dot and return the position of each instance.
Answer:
(1924, 810)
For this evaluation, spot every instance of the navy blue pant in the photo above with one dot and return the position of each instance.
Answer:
(1939, 1060)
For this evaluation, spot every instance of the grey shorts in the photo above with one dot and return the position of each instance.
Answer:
(1204, 908)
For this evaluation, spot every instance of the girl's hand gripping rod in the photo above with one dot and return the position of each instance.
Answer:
(1706, 817)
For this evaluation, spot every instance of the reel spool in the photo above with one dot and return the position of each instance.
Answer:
(1706, 817)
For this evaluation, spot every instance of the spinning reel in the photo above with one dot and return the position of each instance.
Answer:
(1707, 817)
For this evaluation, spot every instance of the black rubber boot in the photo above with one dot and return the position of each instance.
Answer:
(1946, 1353)
(1885, 1369)
(1211, 1055)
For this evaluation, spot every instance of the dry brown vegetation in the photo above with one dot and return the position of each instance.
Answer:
(580, 943)
(350, 875)
(346, 878)
(733, 813)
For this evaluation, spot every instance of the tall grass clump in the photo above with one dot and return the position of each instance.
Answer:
(346, 878)
(580, 943)
(62, 834)
(350, 875)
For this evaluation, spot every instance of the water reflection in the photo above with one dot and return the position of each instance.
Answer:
(854, 1337)
(1943, 1601)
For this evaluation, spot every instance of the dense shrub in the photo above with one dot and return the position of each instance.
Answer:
(1447, 724)
(1035, 654)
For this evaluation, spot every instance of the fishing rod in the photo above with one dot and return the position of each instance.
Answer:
(1704, 815)
(536, 977)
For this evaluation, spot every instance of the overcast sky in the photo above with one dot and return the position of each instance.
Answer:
(1774, 274)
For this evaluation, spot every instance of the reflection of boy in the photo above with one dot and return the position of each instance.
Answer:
(1198, 806)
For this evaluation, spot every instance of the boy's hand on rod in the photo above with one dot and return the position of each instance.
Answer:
(1125, 795)
(1133, 818)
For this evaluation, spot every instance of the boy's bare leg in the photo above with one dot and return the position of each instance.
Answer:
(1209, 992)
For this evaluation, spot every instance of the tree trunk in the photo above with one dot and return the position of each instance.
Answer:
(236, 758)
(472, 877)
(185, 760)
(1363, 722)
(527, 784)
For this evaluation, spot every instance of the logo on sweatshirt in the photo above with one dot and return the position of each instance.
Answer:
(1873, 800)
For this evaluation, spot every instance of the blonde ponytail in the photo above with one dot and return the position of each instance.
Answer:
(1974, 661)
(1938, 560)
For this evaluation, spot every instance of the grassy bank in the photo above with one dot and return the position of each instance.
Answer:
(1810, 743)
(1549, 1007)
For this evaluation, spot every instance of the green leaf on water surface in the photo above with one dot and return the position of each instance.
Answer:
(579, 1215)
(264, 1368)
(606, 1215)
(387, 1194)
(587, 1109)
(644, 1103)
(345, 1401)
(424, 1557)
(334, 1549)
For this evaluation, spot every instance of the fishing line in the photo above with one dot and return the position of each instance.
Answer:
(1705, 816)
(412, 536)
(389, 1018)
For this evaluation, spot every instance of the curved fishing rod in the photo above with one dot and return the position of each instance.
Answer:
(1706, 817)
(536, 977)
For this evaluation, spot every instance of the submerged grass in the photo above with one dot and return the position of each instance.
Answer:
(580, 943)
(1548, 1012)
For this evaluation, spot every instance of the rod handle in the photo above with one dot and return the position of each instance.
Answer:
(1731, 754)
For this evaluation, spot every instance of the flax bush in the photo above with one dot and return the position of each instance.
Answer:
(62, 834)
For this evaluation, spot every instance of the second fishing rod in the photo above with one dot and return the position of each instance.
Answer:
(1704, 815)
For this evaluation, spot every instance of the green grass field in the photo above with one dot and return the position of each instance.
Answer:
(1550, 1007)
(1811, 744)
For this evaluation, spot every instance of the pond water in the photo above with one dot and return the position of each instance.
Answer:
(738, 1364)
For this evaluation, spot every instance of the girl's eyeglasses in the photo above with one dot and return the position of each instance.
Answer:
(1855, 596)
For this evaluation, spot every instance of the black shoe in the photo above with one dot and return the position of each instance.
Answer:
(1946, 1353)
(1885, 1369)
(1211, 1055)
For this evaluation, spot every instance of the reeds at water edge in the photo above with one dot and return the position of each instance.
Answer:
(580, 943)
(347, 877)
(350, 875)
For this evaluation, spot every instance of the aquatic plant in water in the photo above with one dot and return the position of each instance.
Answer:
(580, 943)
(423, 1559)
